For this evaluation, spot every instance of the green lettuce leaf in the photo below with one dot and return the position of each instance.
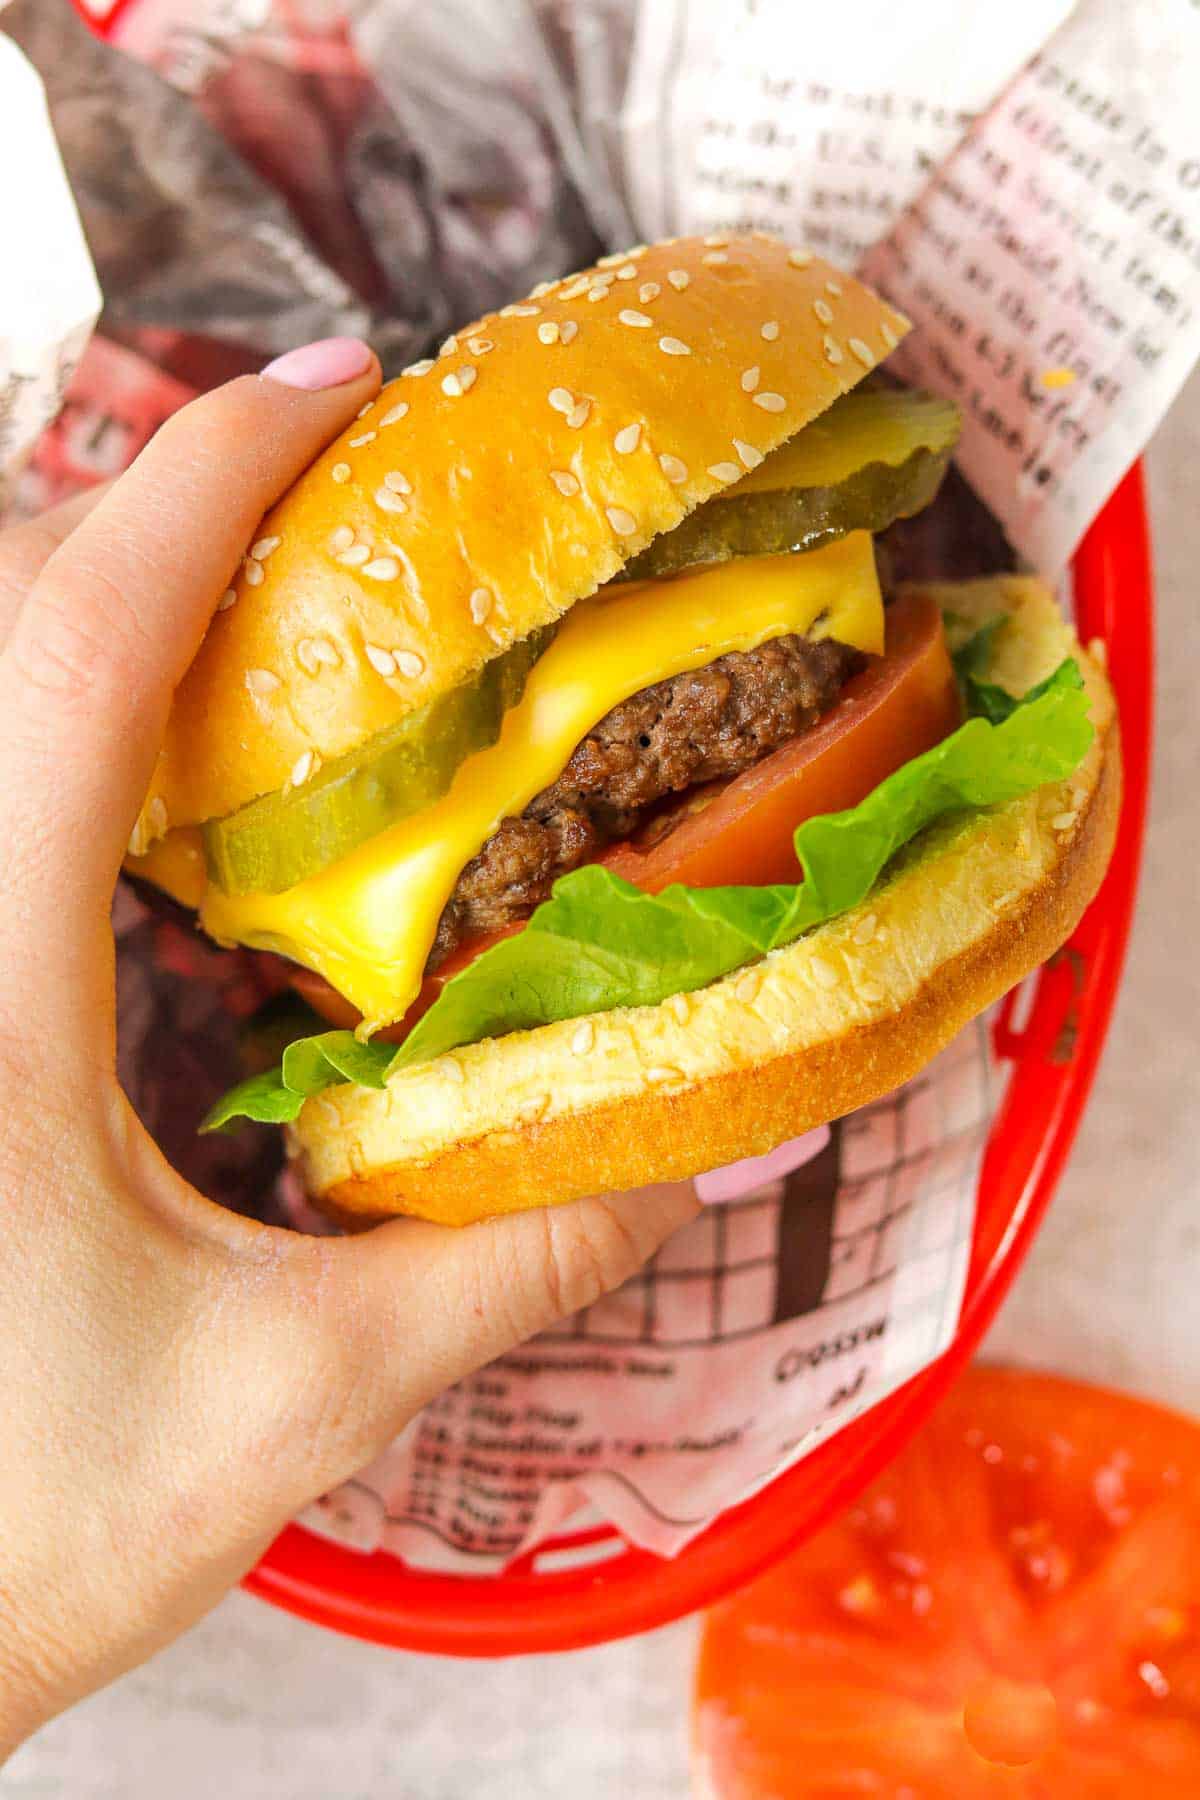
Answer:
(310, 1064)
(986, 699)
(599, 943)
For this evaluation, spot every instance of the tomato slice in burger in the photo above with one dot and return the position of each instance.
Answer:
(1012, 1609)
(740, 831)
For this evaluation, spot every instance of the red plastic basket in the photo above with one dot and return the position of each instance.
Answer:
(610, 1590)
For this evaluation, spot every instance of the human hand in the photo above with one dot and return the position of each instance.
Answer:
(177, 1380)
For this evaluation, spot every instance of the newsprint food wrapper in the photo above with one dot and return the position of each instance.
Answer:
(1023, 180)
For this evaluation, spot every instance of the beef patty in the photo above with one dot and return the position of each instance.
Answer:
(704, 725)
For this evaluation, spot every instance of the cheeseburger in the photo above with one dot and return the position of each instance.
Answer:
(557, 730)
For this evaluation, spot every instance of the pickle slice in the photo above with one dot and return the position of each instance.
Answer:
(279, 840)
(876, 455)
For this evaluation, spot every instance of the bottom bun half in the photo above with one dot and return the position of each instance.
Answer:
(829, 1023)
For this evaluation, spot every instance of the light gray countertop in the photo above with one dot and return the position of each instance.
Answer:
(252, 1704)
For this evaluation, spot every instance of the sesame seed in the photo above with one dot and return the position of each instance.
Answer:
(678, 279)
(449, 346)
(578, 414)
(341, 538)
(598, 293)
(863, 352)
(576, 288)
(364, 410)
(306, 656)
(561, 399)
(833, 350)
(681, 1007)
(672, 346)
(479, 346)
(382, 661)
(565, 482)
(252, 572)
(409, 663)
(1063, 821)
(864, 931)
(773, 403)
(888, 335)
(800, 259)
(637, 250)
(612, 259)
(628, 316)
(521, 312)
(749, 455)
(261, 682)
(543, 287)
(156, 816)
(398, 482)
(714, 257)
(627, 439)
(833, 287)
(303, 767)
(547, 332)
(389, 502)
(364, 437)
(419, 368)
(480, 604)
(382, 568)
(138, 841)
(716, 241)
(458, 381)
(648, 291)
(355, 556)
(627, 273)
(325, 653)
(769, 330)
(228, 599)
(823, 973)
(664, 1073)
(394, 414)
(583, 1038)
(871, 992)
(724, 471)
(567, 330)
(750, 379)
(622, 522)
(263, 548)
(672, 468)
(823, 311)
(340, 471)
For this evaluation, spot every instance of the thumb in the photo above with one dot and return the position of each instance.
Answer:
(417, 1306)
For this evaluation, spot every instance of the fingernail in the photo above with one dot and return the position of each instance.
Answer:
(738, 1179)
(327, 363)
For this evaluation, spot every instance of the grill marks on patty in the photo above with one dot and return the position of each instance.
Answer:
(704, 725)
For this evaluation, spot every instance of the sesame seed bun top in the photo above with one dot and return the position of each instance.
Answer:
(490, 487)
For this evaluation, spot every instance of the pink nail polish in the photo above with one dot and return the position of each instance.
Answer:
(325, 364)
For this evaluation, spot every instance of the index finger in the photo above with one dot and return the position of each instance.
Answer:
(117, 614)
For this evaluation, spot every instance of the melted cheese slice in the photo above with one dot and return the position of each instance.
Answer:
(366, 923)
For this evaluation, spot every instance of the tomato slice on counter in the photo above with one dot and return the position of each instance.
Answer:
(1013, 1609)
(740, 831)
